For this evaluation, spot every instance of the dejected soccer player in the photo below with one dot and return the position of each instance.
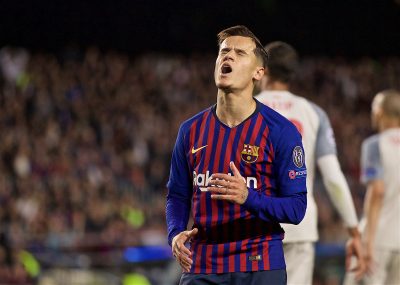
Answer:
(239, 168)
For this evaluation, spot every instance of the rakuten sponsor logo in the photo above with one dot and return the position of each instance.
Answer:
(203, 180)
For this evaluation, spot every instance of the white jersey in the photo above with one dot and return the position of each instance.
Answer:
(318, 140)
(380, 159)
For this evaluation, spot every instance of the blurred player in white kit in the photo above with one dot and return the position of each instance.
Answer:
(320, 149)
(380, 171)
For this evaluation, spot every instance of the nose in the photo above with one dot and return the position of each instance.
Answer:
(230, 55)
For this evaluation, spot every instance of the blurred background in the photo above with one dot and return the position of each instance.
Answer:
(91, 97)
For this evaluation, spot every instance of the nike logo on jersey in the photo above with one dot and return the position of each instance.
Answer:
(197, 149)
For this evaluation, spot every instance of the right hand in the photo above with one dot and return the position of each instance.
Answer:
(180, 251)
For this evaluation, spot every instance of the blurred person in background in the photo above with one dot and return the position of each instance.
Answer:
(236, 237)
(320, 148)
(380, 171)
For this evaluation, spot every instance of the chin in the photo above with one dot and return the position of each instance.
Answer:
(222, 86)
(221, 83)
(225, 89)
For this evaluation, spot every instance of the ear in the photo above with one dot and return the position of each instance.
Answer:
(264, 79)
(259, 73)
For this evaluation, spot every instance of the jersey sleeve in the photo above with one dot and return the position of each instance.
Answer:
(179, 177)
(325, 142)
(289, 162)
(179, 189)
(371, 167)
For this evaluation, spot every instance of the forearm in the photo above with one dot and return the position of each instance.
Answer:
(338, 189)
(177, 216)
(373, 204)
(289, 209)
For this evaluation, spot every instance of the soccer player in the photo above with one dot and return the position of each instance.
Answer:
(239, 167)
(380, 171)
(320, 148)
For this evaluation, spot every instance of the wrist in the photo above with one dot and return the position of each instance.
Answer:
(174, 235)
(354, 232)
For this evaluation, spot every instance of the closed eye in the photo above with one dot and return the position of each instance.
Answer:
(224, 51)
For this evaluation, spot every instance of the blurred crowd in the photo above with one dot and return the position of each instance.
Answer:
(86, 140)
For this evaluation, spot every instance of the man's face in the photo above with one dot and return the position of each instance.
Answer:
(237, 65)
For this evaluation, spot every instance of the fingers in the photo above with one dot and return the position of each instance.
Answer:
(183, 257)
(230, 198)
(181, 252)
(193, 232)
(222, 177)
(221, 188)
(221, 193)
(185, 261)
(227, 187)
(235, 171)
(349, 255)
(182, 249)
(221, 183)
(355, 261)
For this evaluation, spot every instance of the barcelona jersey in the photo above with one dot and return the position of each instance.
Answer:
(267, 150)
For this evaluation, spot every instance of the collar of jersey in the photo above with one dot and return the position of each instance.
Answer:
(214, 108)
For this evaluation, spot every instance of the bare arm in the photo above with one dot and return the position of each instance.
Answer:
(372, 207)
(340, 195)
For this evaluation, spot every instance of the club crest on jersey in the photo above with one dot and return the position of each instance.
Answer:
(298, 156)
(249, 153)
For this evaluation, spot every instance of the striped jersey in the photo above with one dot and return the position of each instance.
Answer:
(267, 150)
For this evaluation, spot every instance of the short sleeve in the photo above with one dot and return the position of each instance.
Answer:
(371, 166)
(325, 142)
(291, 171)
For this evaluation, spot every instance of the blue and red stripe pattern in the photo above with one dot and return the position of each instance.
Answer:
(231, 237)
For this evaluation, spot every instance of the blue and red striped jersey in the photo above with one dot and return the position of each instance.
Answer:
(267, 150)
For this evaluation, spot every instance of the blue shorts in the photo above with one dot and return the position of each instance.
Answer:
(273, 277)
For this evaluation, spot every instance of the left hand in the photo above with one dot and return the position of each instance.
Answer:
(229, 188)
(354, 247)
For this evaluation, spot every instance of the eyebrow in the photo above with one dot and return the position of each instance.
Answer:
(235, 49)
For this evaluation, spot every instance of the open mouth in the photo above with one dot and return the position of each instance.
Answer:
(225, 69)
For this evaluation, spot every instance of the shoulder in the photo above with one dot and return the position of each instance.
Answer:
(187, 124)
(322, 115)
(278, 125)
(273, 118)
(370, 150)
(371, 167)
(296, 101)
(370, 143)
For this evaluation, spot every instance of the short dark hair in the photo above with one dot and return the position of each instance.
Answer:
(283, 61)
(243, 31)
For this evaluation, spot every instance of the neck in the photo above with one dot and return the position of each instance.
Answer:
(276, 86)
(389, 123)
(232, 108)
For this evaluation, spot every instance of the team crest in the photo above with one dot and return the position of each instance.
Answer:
(249, 153)
(298, 156)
